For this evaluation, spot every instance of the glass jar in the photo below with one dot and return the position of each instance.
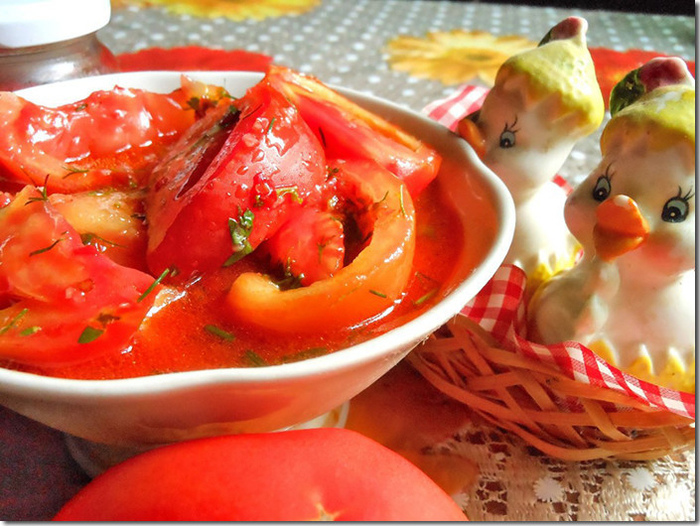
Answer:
(45, 41)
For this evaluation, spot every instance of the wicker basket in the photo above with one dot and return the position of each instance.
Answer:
(561, 417)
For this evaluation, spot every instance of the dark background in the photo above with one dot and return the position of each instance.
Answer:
(668, 7)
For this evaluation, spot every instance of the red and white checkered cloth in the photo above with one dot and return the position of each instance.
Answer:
(499, 307)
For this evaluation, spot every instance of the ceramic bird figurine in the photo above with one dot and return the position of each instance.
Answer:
(543, 101)
(631, 298)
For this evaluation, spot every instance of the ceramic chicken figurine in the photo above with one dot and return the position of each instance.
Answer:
(543, 101)
(631, 298)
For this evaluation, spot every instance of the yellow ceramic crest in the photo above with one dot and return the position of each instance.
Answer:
(668, 112)
(563, 66)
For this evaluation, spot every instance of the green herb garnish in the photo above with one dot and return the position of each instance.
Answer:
(216, 331)
(289, 190)
(313, 352)
(72, 171)
(403, 209)
(377, 293)
(254, 358)
(30, 330)
(425, 297)
(14, 321)
(46, 249)
(332, 172)
(43, 193)
(89, 238)
(153, 285)
(90, 334)
(240, 230)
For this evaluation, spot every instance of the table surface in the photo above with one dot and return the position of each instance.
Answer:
(348, 44)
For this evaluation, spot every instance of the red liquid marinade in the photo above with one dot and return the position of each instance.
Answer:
(193, 332)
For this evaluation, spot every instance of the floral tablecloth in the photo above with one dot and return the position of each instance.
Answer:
(414, 53)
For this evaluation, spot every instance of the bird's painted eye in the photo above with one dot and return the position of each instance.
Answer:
(676, 209)
(602, 188)
(507, 138)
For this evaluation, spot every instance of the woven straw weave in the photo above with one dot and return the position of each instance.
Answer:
(561, 417)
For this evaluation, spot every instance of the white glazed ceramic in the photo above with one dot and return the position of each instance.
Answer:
(631, 297)
(142, 412)
(543, 101)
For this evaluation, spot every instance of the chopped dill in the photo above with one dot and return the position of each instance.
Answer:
(153, 285)
(90, 334)
(254, 359)
(216, 331)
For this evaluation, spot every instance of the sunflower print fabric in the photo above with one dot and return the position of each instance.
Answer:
(454, 57)
(237, 10)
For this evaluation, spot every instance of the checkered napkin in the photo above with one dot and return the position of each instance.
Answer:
(499, 307)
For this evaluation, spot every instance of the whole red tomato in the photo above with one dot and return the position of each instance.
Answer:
(313, 474)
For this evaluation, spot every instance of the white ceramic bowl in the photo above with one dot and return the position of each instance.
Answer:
(142, 412)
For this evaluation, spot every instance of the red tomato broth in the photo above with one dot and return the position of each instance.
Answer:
(176, 338)
(198, 330)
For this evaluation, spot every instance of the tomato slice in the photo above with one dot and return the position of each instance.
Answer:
(365, 288)
(349, 131)
(230, 182)
(309, 246)
(110, 220)
(60, 301)
(109, 139)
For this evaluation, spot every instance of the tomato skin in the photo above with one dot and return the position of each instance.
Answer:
(365, 288)
(109, 139)
(348, 131)
(313, 474)
(261, 163)
(60, 302)
(309, 246)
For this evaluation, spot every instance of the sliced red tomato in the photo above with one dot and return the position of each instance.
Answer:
(230, 182)
(110, 220)
(366, 287)
(349, 131)
(109, 139)
(312, 474)
(60, 302)
(309, 246)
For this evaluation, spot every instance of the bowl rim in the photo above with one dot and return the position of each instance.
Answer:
(21, 382)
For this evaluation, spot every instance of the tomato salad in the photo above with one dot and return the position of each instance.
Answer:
(145, 233)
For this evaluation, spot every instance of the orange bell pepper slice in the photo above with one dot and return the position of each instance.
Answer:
(365, 288)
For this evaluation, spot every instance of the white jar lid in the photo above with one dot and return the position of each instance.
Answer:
(35, 22)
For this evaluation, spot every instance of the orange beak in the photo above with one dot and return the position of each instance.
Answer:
(620, 227)
(470, 132)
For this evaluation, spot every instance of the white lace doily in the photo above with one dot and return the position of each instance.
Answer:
(516, 482)
(496, 476)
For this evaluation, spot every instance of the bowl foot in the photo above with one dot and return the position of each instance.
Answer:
(95, 457)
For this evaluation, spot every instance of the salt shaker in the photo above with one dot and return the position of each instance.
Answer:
(45, 41)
